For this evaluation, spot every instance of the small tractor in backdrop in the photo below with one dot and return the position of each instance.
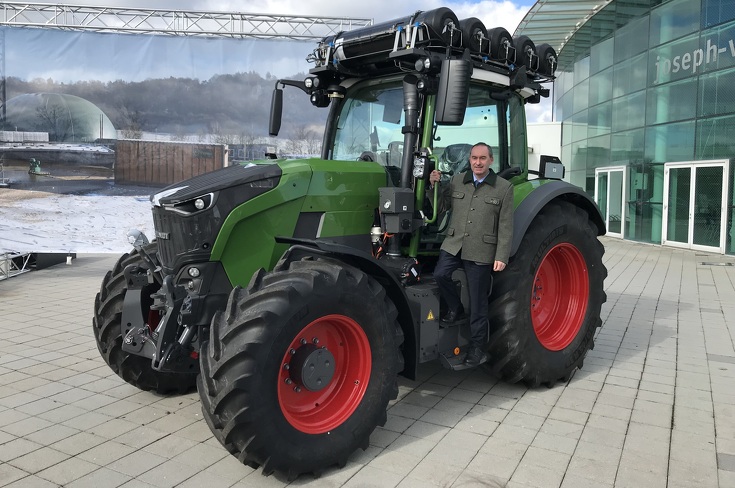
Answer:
(293, 293)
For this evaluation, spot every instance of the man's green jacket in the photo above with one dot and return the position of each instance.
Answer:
(481, 223)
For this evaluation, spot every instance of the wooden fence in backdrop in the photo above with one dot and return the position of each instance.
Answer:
(164, 163)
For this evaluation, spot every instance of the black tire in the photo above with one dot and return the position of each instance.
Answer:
(525, 49)
(108, 305)
(438, 22)
(501, 45)
(545, 307)
(248, 396)
(546, 59)
(474, 34)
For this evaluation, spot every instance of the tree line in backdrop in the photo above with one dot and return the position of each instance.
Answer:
(228, 108)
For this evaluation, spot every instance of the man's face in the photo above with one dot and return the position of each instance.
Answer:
(480, 161)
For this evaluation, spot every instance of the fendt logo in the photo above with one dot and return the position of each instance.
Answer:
(691, 61)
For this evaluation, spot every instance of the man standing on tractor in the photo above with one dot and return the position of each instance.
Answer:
(479, 236)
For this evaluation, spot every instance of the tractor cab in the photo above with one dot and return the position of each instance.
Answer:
(414, 94)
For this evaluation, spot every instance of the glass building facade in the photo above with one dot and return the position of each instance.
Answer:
(645, 92)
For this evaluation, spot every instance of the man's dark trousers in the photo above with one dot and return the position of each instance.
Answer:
(479, 278)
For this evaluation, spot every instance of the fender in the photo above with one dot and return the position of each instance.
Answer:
(541, 196)
(367, 263)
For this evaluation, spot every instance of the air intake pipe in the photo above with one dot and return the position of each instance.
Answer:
(410, 129)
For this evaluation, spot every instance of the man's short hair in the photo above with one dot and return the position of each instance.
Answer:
(489, 149)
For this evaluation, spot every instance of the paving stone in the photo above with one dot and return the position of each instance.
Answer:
(31, 481)
(210, 480)
(726, 462)
(16, 448)
(51, 434)
(202, 455)
(67, 471)
(411, 444)
(168, 474)
(397, 462)
(101, 478)
(435, 473)
(552, 442)
(478, 425)
(382, 437)
(471, 479)
(9, 474)
(106, 453)
(136, 463)
(38, 460)
(443, 418)
(230, 468)
(537, 476)
(659, 355)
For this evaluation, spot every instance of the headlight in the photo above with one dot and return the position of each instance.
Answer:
(192, 205)
(419, 166)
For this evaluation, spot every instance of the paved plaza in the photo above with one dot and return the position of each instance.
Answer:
(654, 405)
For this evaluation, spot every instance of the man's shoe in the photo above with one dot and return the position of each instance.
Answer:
(454, 316)
(475, 357)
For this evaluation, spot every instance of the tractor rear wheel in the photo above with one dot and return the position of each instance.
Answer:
(300, 367)
(545, 307)
(108, 306)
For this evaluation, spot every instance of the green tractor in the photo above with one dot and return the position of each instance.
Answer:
(293, 293)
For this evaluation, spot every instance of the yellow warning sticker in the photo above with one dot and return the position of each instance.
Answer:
(430, 316)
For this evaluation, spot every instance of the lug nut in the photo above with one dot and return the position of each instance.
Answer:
(302, 341)
(286, 367)
(297, 389)
(292, 351)
(289, 381)
(315, 340)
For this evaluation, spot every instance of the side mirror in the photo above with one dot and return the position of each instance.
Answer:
(274, 125)
(454, 88)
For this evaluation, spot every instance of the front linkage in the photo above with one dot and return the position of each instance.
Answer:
(169, 341)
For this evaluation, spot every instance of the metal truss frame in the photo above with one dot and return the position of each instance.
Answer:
(13, 263)
(174, 22)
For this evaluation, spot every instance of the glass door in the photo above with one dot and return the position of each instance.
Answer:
(694, 205)
(609, 196)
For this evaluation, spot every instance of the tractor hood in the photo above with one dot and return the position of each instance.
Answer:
(250, 175)
(189, 215)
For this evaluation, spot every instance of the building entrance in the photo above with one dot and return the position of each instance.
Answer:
(695, 205)
(610, 195)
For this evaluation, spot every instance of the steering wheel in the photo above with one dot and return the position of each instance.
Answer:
(368, 156)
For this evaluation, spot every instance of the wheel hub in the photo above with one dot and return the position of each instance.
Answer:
(560, 296)
(312, 367)
(324, 374)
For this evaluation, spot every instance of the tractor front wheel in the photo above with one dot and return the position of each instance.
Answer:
(300, 367)
(545, 307)
(108, 306)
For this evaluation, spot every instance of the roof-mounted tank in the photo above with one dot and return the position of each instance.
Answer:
(398, 44)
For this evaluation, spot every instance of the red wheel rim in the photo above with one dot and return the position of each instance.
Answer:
(559, 297)
(317, 412)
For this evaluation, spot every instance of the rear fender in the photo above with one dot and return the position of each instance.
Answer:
(541, 196)
(365, 262)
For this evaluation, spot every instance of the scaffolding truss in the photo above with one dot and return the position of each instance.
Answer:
(174, 22)
(14, 263)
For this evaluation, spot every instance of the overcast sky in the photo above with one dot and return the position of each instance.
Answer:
(290, 58)
(493, 13)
